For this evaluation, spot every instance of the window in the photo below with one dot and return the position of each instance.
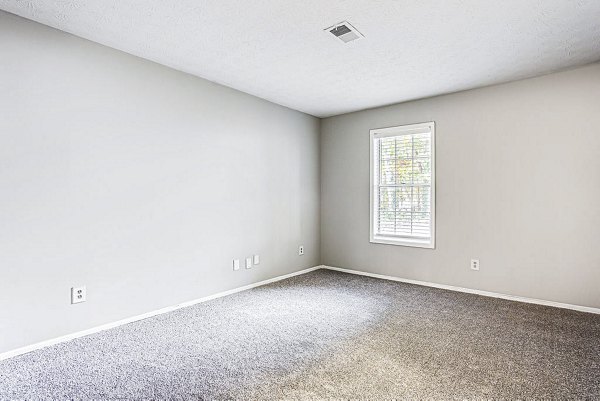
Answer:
(403, 185)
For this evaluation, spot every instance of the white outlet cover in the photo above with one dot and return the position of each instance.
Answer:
(301, 250)
(474, 264)
(78, 294)
(236, 264)
(256, 259)
(248, 263)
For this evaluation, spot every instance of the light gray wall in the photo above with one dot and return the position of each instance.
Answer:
(518, 186)
(138, 181)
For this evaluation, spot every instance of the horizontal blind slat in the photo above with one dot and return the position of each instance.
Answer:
(404, 185)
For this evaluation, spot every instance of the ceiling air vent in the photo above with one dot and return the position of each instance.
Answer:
(344, 31)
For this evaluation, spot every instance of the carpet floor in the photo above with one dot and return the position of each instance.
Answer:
(326, 334)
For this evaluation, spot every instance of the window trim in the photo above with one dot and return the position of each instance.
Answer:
(396, 131)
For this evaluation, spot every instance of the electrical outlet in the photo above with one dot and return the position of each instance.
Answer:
(256, 260)
(301, 250)
(78, 294)
(474, 264)
(248, 263)
(236, 264)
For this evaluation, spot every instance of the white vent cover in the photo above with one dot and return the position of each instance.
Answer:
(344, 31)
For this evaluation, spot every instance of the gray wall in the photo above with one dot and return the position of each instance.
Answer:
(518, 186)
(139, 181)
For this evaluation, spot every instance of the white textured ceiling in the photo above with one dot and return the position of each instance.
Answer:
(277, 50)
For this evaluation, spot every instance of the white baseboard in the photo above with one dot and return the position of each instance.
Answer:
(68, 337)
(471, 291)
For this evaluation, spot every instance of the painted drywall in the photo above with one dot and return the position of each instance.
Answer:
(278, 50)
(138, 181)
(518, 187)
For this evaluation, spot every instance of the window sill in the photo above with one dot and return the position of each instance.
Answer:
(412, 242)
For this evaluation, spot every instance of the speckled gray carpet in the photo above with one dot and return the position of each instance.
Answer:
(326, 335)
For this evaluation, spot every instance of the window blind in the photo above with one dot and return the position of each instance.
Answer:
(403, 184)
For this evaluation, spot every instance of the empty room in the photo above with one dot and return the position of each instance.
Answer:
(300, 200)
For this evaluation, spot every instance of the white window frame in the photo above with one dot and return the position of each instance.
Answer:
(397, 131)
